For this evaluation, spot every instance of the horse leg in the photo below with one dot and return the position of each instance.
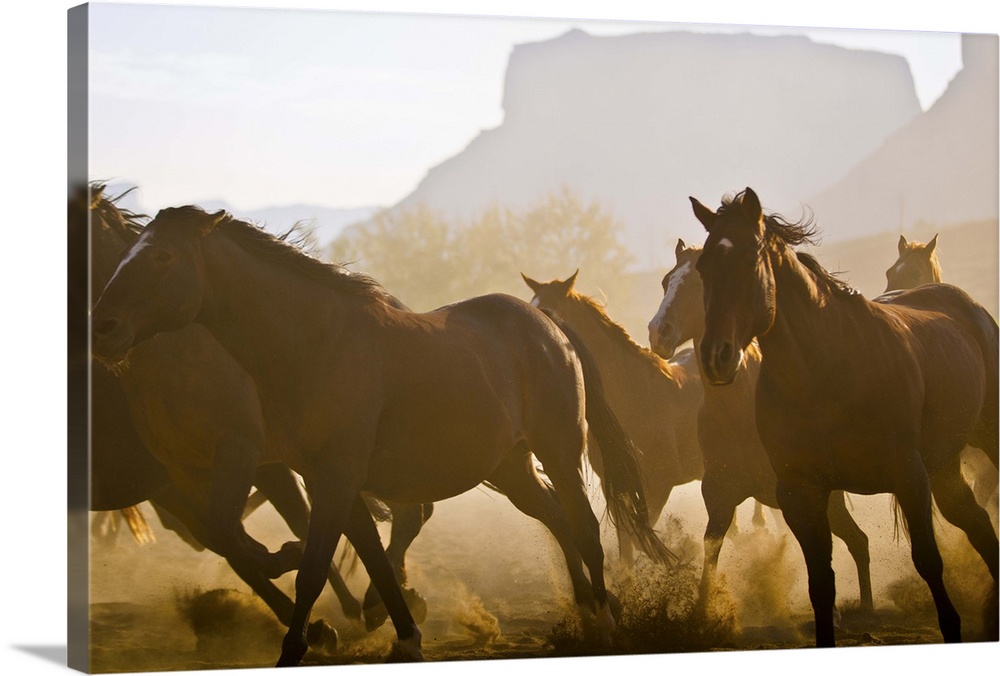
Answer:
(279, 485)
(517, 478)
(958, 505)
(914, 497)
(721, 503)
(407, 521)
(804, 507)
(566, 473)
(232, 476)
(173, 501)
(333, 499)
(363, 534)
(843, 525)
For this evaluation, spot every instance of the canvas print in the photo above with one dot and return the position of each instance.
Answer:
(402, 337)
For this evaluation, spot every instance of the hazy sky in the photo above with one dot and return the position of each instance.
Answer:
(263, 107)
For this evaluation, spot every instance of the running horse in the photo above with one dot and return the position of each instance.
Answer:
(152, 428)
(917, 263)
(636, 381)
(736, 465)
(866, 397)
(361, 395)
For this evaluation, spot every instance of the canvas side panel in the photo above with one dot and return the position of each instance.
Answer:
(78, 405)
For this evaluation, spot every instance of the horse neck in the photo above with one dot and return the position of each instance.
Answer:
(808, 322)
(617, 356)
(254, 307)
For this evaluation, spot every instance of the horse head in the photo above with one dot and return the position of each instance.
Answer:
(917, 264)
(553, 295)
(681, 314)
(738, 283)
(158, 286)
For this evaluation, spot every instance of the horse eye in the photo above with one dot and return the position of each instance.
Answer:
(163, 257)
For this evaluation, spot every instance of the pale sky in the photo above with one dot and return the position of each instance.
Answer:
(261, 107)
(33, 56)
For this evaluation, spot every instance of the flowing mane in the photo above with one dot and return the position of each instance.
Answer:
(290, 256)
(126, 224)
(620, 334)
(793, 234)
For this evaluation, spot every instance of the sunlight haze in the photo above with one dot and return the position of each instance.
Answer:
(261, 107)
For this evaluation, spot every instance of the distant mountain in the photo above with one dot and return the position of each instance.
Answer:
(640, 122)
(324, 223)
(941, 168)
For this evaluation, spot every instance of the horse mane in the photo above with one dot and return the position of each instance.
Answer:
(795, 233)
(124, 223)
(262, 244)
(617, 330)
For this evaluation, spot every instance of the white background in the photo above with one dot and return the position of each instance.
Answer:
(33, 409)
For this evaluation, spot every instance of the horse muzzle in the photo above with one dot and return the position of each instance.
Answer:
(720, 362)
(111, 341)
(663, 340)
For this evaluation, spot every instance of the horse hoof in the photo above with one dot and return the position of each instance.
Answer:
(375, 616)
(616, 607)
(352, 611)
(605, 626)
(292, 653)
(322, 636)
(416, 603)
(406, 650)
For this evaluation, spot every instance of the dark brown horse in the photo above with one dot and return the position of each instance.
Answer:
(736, 465)
(636, 382)
(154, 426)
(853, 395)
(360, 395)
(918, 264)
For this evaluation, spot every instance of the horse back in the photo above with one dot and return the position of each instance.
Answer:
(959, 342)
(957, 308)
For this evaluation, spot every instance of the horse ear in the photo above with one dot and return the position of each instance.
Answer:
(751, 206)
(96, 195)
(931, 245)
(901, 246)
(213, 221)
(571, 282)
(679, 248)
(704, 215)
(532, 284)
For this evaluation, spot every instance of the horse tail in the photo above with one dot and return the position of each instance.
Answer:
(622, 482)
(138, 525)
(899, 523)
(347, 563)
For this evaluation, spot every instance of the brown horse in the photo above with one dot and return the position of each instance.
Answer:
(854, 395)
(736, 465)
(360, 395)
(918, 264)
(636, 382)
(154, 426)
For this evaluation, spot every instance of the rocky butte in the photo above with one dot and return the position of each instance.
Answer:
(639, 122)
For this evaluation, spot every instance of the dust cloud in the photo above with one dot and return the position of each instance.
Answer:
(496, 587)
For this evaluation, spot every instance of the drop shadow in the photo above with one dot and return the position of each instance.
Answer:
(57, 654)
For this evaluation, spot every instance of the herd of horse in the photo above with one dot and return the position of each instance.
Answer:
(228, 360)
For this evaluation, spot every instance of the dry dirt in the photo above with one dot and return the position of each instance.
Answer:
(496, 587)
